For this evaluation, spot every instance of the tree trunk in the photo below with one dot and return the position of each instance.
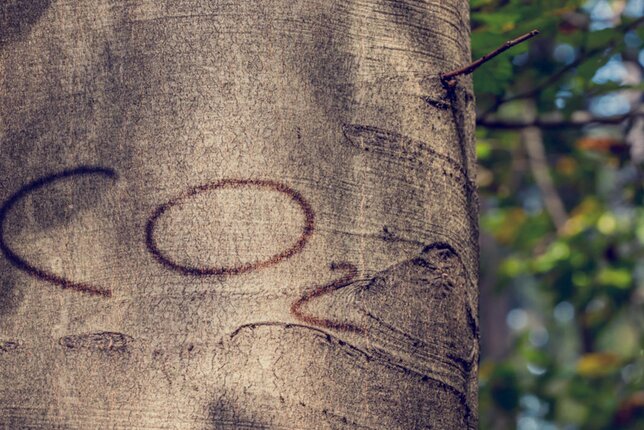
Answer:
(248, 214)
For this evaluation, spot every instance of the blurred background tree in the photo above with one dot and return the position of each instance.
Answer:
(560, 144)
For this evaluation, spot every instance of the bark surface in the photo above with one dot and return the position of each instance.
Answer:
(243, 214)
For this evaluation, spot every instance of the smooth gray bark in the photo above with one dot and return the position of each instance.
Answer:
(245, 214)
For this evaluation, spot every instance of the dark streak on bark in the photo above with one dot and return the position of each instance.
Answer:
(466, 365)
(472, 213)
(438, 104)
(471, 192)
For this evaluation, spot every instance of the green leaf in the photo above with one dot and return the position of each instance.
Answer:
(617, 278)
(587, 69)
(600, 38)
(483, 149)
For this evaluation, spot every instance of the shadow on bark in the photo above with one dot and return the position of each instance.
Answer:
(18, 16)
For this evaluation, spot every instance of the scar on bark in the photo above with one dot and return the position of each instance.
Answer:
(101, 341)
(9, 345)
(252, 326)
(444, 251)
(21, 263)
(387, 339)
(370, 138)
(441, 252)
(354, 350)
(298, 245)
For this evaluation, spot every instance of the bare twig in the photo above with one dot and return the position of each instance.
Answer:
(549, 123)
(532, 138)
(448, 78)
(583, 57)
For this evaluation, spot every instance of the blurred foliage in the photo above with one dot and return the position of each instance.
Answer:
(575, 359)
